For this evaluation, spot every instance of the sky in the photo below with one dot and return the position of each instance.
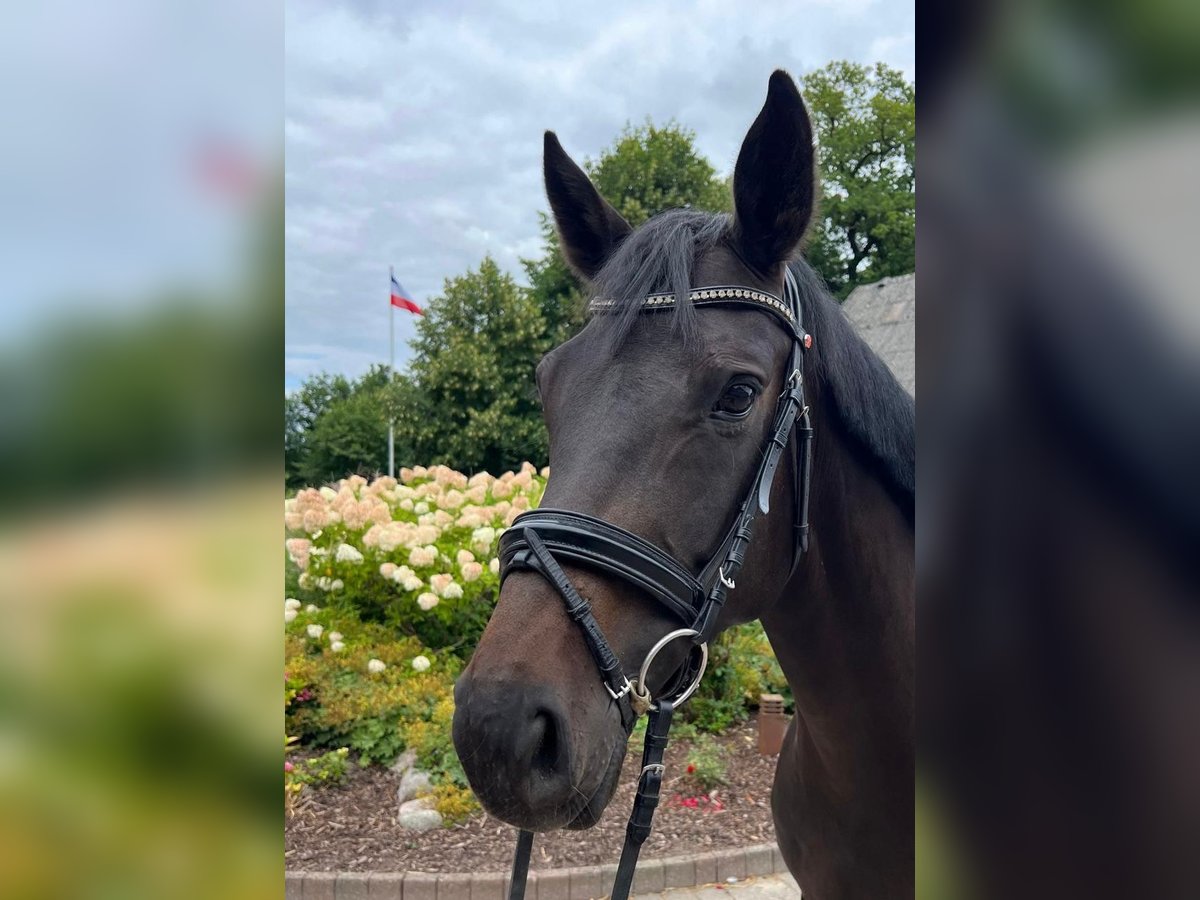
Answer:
(413, 132)
(106, 108)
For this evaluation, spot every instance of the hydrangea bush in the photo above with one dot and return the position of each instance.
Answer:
(390, 585)
(417, 553)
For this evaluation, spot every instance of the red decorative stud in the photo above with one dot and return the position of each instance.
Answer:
(808, 342)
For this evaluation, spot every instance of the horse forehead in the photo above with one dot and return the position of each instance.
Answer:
(654, 358)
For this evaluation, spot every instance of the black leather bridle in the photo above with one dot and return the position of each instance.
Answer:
(541, 539)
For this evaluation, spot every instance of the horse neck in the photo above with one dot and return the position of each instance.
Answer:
(843, 628)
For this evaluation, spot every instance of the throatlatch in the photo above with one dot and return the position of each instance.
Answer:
(541, 539)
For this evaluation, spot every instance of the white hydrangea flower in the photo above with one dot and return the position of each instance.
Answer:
(375, 666)
(421, 663)
(482, 538)
(407, 504)
(421, 508)
(453, 591)
(494, 566)
(291, 603)
(328, 493)
(427, 601)
(463, 557)
(305, 580)
(412, 583)
(337, 584)
(337, 646)
(314, 631)
(346, 553)
(471, 571)
(312, 608)
(387, 570)
(289, 615)
(334, 636)
(423, 556)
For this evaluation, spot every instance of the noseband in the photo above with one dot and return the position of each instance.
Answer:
(541, 539)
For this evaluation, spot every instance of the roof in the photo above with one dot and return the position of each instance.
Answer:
(885, 315)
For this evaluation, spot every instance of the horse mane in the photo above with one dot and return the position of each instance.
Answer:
(876, 412)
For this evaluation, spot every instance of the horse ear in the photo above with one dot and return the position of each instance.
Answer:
(589, 228)
(774, 177)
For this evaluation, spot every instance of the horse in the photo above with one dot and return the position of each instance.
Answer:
(656, 424)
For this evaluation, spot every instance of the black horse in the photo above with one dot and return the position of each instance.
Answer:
(657, 423)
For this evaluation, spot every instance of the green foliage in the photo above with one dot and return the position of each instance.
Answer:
(338, 701)
(334, 427)
(706, 762)
(328, 768)
(650, 169)
(741, 667)
(864, 118)
(475, 406)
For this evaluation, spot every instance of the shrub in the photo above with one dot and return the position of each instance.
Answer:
(416, 554)
(328, 768)
(705, 762)
(741, 667)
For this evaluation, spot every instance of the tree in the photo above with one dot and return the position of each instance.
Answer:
(474, 405)
(864, 119)
(335, 427)
(302, 408)
(648, 169)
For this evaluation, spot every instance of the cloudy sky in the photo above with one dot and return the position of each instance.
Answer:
(413, 131)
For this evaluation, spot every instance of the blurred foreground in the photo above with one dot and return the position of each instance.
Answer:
(139, 669)
(140, 377)
(1059, 510)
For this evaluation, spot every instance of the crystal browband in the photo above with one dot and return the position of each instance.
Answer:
(707, 296)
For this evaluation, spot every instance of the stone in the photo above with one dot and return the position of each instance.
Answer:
(586, 884)
(351, 886)
(759, 860)
(420, 886)
(731, 864)
(404, 762)
(679, 871)
(413, 783)
(489, 886)
(648, 877)
(419, 815)
(554, 884)
(386, 886)
(454, 887)
(319, 885)
(706, 868)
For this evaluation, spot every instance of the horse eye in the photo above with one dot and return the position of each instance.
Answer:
(737, 400)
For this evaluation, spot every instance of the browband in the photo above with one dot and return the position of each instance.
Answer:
(715, 295)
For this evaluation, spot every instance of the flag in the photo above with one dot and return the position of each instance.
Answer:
(401, 298)
(226, 168)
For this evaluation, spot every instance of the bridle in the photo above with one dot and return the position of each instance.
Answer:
(541, 539)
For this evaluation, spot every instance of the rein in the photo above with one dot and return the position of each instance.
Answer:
(540, 538)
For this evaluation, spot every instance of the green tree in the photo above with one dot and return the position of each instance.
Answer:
(473, 405)
(335, 427)
(864, 119)
(302, 408)
(648, 169)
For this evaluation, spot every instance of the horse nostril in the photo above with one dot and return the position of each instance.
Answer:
(547, 746)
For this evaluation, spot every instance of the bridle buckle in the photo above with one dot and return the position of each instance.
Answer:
(625, 689)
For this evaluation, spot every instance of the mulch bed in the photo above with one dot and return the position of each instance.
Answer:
(352, 827)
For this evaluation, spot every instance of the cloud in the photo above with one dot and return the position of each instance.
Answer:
(414, 132)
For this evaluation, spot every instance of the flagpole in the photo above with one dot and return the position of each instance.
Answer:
(392, 375)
